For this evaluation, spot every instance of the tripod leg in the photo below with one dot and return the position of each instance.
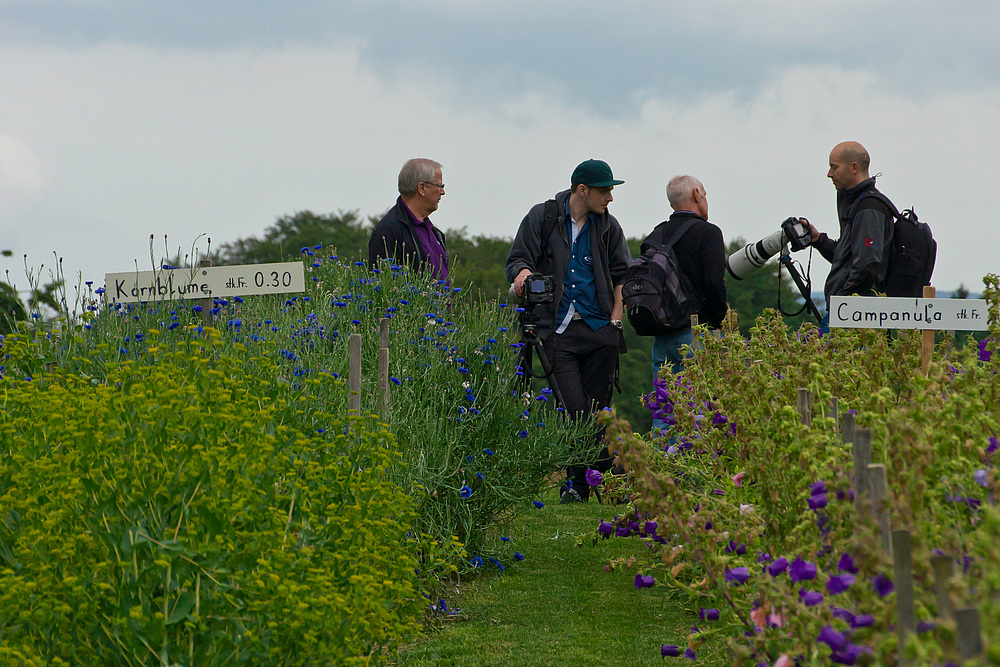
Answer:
(547, 368)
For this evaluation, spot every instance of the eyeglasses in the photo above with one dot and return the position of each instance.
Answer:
(437, 185)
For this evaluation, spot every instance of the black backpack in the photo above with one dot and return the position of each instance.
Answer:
(657, 296)
(912, 253)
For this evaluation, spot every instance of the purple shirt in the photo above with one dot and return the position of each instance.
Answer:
(429, 242)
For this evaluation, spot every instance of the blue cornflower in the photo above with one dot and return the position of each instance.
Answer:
(518, 556)
(538, 504)
(465, 491)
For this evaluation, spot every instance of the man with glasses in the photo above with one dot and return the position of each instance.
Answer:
(405, 234)
(574, 239)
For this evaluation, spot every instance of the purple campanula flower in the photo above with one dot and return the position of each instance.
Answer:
(848, 655)
(763, 557)
(862, 621)
(650, 527)
(669, 649)
(594, 477)
(606, 529)
(719, 419)
(734, 548)
(846, 564)
(690, 654)
(518, 556)
(981, 477)
(817, 488)
(777, 567)
(709, 614)
(882, 585)
(839, 583)
(801, 570)
(926, 626)
(984, 354)
(993, 446)
(835, 640)
(622, 531)
(737, 575)
(644, 581)
(817, 501)
(810, 598)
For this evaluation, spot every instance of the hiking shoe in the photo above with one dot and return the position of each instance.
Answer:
(569, 495)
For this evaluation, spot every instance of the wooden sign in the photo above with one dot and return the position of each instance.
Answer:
(204, 282)
(882, 312)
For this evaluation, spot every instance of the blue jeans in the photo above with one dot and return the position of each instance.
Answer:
(667, 348)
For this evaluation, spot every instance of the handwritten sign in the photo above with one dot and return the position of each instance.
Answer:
(877, 312)
(203, 282)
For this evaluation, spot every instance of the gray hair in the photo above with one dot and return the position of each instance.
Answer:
(414, 172)
(679, 190)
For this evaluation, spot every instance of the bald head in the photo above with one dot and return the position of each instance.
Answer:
(848, 165)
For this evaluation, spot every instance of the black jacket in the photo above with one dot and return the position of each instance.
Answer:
(860, 257)
(395, 236)
(550, 256)
(701, 256)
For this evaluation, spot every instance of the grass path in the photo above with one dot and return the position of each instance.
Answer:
(558, 606)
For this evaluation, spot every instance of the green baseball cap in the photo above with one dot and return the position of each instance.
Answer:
(595, 173)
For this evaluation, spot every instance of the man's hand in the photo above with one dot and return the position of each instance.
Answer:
(519, 282)
(813, 232)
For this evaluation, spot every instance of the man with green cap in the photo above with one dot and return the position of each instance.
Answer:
(573, 239)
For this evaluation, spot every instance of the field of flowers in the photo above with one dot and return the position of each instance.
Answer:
(182, 491)
(752, 511)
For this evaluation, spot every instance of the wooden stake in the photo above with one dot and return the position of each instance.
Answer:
(804, 401)
(383, 368)
(862, 448)
(878, 492)
(906, 619)
(970, 640)
(942, 575)
(927, 336)
(354, 381)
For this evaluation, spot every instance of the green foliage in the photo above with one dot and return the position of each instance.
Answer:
(169, 512)
(290, 233)
(734, 489)
(12, 309)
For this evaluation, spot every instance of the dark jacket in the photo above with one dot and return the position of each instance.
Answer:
(701, 256)
(550, 257)
(860, 257)
(395, 236)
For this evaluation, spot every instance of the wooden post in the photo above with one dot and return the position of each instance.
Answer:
(833, 412)
(383, 368)
(695, 343)
(927, 336)
(970, 640)
(878, 492)
(847, 427)
(804, 401)
(208, 302)
(354, 381)
(862, 448)
(942, 575)
(906, 619)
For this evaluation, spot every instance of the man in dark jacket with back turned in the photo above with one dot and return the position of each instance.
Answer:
(583, 248)
(701, 256)
(406, 233)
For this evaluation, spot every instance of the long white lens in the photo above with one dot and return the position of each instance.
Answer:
(753, 256)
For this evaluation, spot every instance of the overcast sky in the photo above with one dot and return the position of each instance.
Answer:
(125, 118)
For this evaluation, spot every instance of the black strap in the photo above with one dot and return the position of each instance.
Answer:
(877, 196)
(549, 221)
(674, 238)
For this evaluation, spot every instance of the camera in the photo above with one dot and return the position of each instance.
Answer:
(793, 231)
(538, 289)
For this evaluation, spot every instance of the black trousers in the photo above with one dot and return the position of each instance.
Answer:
(583, 366)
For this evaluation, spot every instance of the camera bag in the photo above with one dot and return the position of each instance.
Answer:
(913, 250)
(658, 297)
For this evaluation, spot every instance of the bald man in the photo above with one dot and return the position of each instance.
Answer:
(859, 258)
